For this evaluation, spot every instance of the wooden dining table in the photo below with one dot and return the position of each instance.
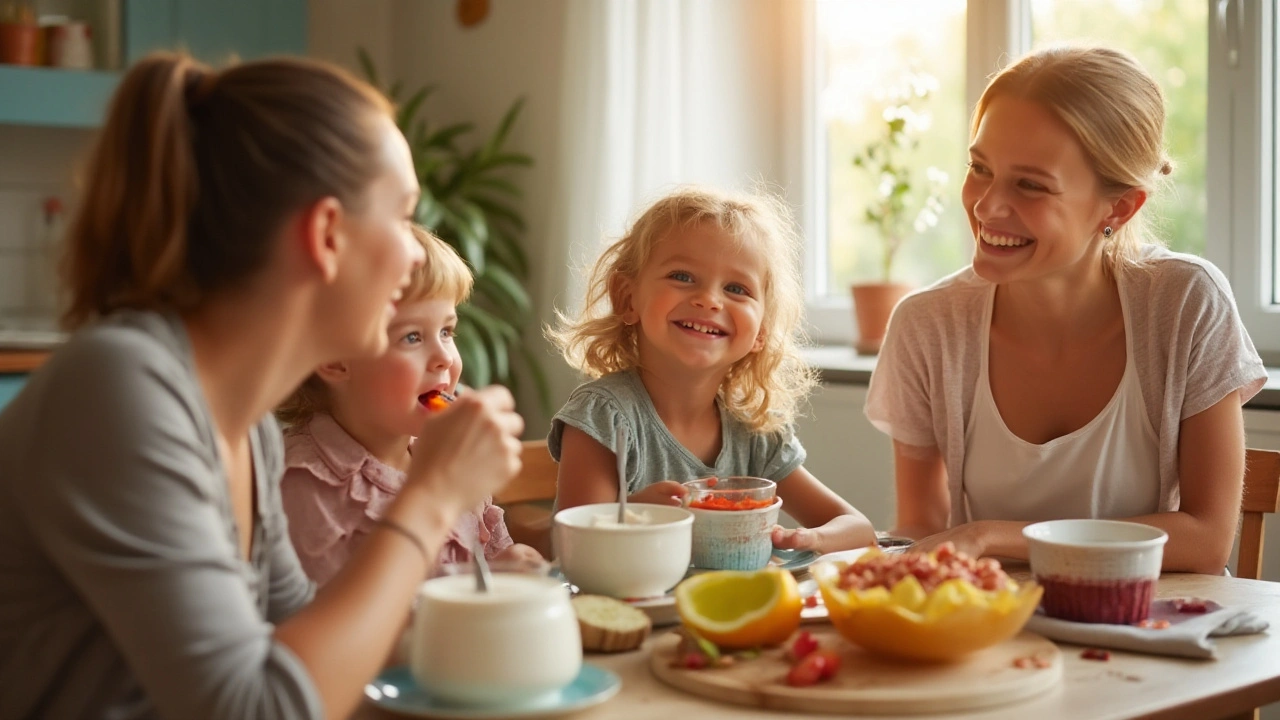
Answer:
(1245, 675)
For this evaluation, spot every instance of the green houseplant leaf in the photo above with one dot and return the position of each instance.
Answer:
(466, 201)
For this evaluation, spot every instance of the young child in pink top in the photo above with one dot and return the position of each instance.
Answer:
(351, 427)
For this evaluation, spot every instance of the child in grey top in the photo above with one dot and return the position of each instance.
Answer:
(691, 329)
(653, 454)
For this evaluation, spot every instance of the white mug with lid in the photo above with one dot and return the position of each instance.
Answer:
(517, 644)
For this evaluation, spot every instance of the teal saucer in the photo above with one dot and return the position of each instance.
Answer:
(396, 690)
(793, 560)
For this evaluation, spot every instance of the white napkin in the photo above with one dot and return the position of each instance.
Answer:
(1188, 634)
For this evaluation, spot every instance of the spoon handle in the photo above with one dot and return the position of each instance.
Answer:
(620, 450)
(484, 580)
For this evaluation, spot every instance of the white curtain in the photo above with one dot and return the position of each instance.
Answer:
(657, 93)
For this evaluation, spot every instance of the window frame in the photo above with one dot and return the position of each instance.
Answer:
(1241, 162)
(1240, 173)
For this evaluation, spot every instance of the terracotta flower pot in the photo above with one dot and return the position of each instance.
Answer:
(872, 305)
(19, 44)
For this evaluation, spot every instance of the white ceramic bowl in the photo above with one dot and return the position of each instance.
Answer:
(623, 561)
(516, 645)
(1097, 571)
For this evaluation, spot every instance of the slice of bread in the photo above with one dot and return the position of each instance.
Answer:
(609, 625)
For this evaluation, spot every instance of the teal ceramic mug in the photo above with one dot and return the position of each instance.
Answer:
(734, 539)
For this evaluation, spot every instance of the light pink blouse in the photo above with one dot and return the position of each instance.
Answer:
(334, 491)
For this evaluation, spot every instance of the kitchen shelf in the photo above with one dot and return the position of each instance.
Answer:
(54, 97)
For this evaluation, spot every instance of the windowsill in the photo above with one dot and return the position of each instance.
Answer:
(840, 365)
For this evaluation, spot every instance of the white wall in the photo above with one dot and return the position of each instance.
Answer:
(35, 163)
(335, 28)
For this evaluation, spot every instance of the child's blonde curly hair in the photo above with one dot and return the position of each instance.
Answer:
(441, 275)
(764, 389)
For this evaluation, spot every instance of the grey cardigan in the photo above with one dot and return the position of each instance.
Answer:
(122, 590)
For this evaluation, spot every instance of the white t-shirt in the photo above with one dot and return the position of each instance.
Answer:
(1187, 341)
(1109, 468)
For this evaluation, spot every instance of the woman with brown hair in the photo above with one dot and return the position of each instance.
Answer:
(238, 229)
(1077, 368)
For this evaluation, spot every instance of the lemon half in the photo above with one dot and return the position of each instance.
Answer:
(738, 610)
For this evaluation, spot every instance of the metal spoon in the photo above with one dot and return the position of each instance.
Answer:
(484, 580)
(620, 445)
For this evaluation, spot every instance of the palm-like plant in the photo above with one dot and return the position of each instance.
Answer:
(465, 201)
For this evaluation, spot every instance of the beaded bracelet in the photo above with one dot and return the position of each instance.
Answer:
(409, 535)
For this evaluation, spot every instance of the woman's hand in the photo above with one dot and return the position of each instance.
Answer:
(998, 538)
(969, 538)
(468, 451)
(666, 492)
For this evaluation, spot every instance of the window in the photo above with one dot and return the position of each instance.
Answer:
(1171, 40)
(883, 61)
(1217, 70)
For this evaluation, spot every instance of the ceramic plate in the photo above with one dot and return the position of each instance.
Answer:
(395, 690)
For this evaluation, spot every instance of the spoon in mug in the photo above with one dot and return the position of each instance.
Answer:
(620, 450)
(484, 580)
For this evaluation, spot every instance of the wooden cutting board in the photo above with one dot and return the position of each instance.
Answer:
(870, 684)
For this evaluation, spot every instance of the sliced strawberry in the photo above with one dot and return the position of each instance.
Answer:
(803, 645)
(830, 664)
(807, 672)
(694, 661)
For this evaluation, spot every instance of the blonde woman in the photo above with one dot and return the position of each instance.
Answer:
(1077, 368)
(691, 330)
(238, 229)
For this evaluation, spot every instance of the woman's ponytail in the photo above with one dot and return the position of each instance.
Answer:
(195, 169)
(127, 244)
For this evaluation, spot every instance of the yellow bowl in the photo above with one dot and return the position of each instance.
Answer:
(905, 622)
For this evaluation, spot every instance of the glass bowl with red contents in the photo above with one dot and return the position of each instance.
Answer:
(733, 521)
(731, 493)
(1096, 571)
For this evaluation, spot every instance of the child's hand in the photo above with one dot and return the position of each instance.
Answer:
(520, 555)
(666, 492)
(794, 539)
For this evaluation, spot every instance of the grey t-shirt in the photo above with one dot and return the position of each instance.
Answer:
(598, 407)
(123, 593)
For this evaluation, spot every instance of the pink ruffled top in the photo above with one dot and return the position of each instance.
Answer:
(334, 491)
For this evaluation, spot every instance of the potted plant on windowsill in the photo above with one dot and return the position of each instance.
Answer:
(908, 201)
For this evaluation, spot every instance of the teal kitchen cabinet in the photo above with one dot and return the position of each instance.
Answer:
(211, 30)
(216, 30)
(10, 385)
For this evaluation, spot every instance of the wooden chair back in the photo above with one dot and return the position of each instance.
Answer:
(537, 479)
(1261, 497)
(528, 497)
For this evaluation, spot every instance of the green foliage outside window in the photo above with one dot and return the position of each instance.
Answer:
(908, 200)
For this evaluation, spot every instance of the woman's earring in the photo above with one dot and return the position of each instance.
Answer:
(1106, 231)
